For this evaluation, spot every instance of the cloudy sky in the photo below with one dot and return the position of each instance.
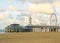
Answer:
(18, 11)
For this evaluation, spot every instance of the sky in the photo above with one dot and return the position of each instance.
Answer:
(18, 11)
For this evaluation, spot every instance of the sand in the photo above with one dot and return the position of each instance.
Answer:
(30, 37)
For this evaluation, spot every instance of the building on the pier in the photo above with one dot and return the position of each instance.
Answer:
(15, 28)
(44, 28)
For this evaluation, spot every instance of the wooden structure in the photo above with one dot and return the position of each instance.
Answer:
(44, 28)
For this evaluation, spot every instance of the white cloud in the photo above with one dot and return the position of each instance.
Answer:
(10, 7)
(12, 21)
(32, 8)
(57, 3)
(43, 1)
(21, 0)
(38, 18)
(1, 8)
(4, 15)
(45, 8)
(10, 2)
(39, 1)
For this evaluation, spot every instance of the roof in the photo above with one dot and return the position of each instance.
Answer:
(38, 26)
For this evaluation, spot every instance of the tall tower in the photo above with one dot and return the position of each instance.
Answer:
(30, 20)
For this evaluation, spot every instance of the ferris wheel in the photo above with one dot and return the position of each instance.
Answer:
(53, 18)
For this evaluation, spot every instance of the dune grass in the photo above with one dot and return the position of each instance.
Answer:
(30, 37)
